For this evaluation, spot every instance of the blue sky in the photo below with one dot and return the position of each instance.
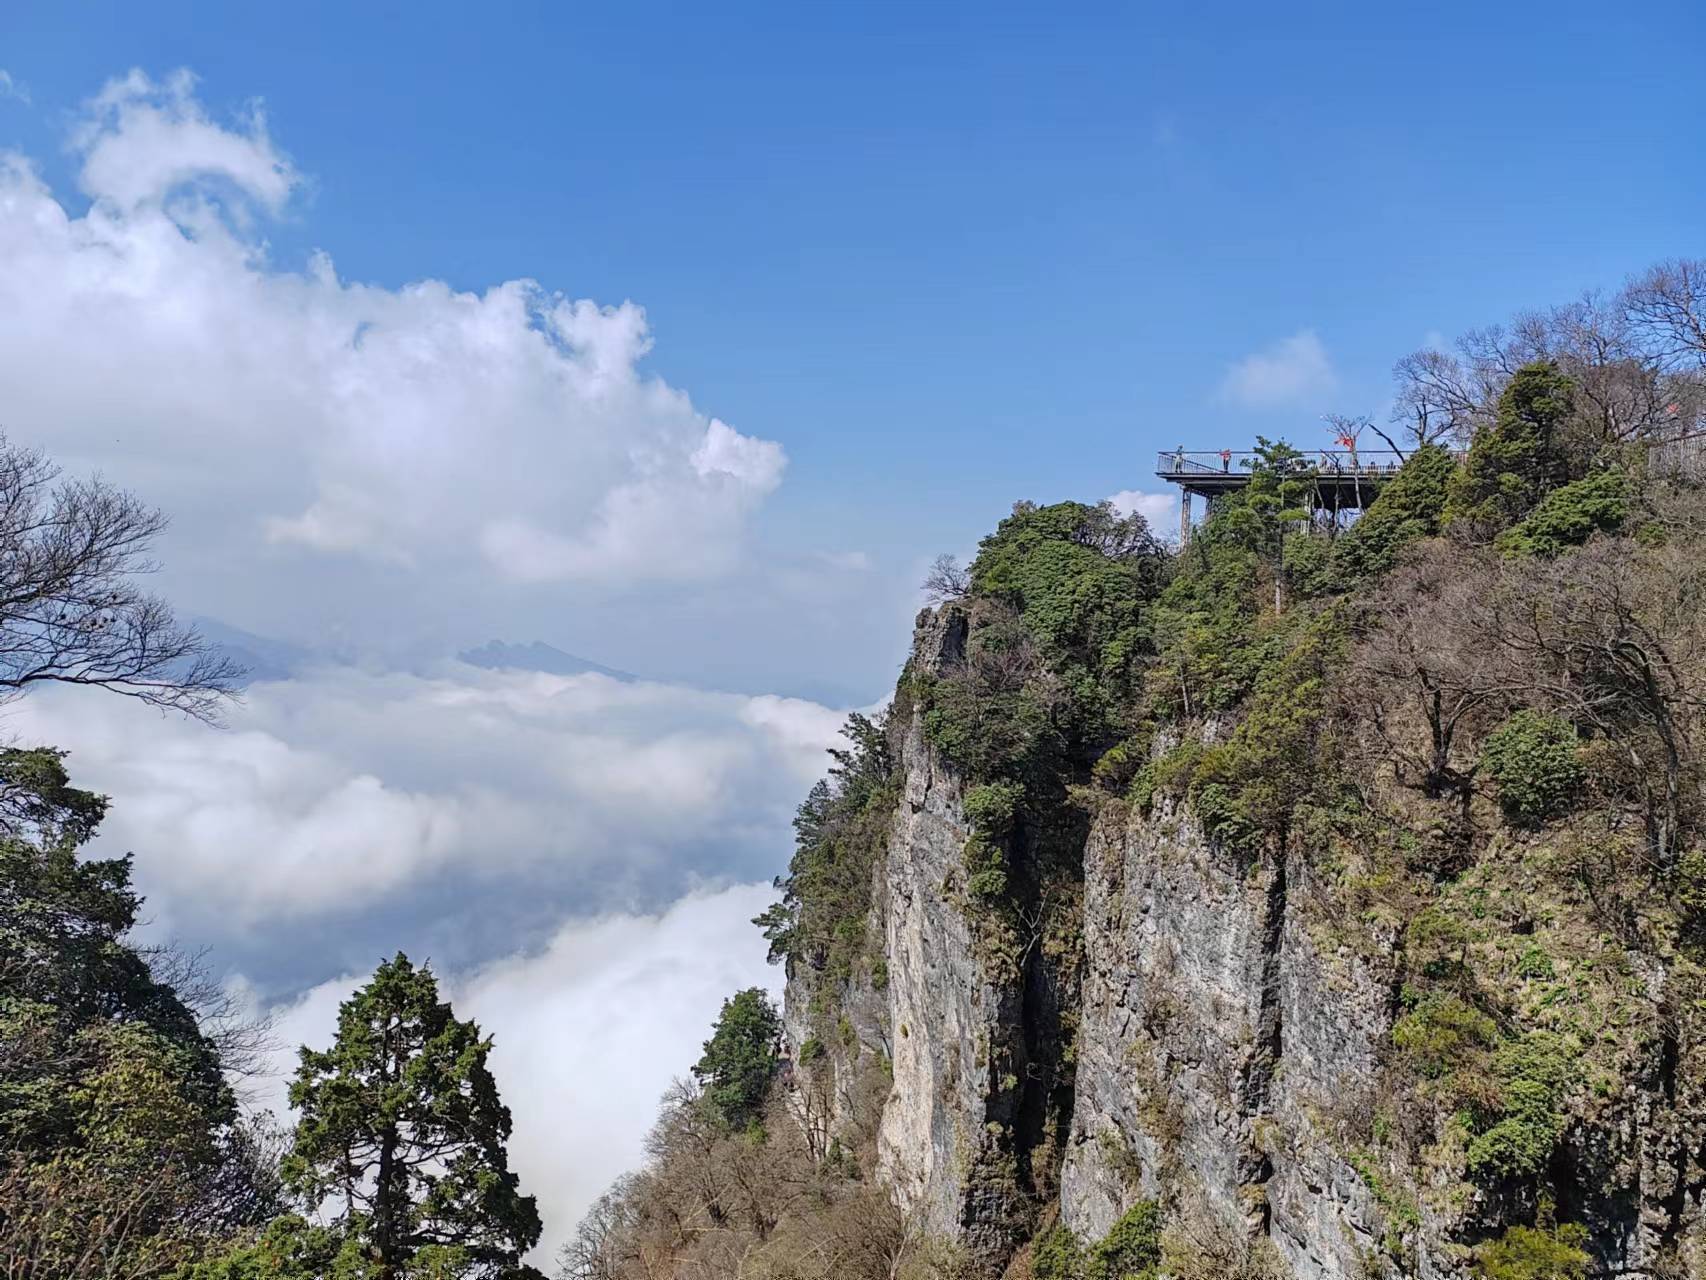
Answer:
(955, 254)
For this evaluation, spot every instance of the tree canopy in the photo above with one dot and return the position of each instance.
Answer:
(401, 1129)
(740, 1058)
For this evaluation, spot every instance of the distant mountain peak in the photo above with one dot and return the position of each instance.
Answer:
(500, 655)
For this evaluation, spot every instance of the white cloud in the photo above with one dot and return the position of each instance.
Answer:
(1293, 371)
(419, 429)
(345, 796)
(10, 88)
(634, 519)
(589, 1031)
(1161, 510)
(143, 141)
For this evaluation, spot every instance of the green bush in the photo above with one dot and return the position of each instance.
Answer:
(990, 808)
(1131, 1250)
(1521, 1143)
(1409, 508)
(1534, 1072)
(1534, 964)
(1518, 458)
(1119, 765)
(986, 869)
(1059, 637)
(1532, 760)
(1079, 576)
(1057, 1255)
(1248, 786)
(1440, 1032)
(1530, 1253)
(1569, 516)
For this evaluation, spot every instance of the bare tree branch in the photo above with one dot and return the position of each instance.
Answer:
(71, 611)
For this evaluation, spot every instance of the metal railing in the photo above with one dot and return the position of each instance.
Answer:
(1187, 463)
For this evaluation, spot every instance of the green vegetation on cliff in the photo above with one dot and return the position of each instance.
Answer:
(1469, 719)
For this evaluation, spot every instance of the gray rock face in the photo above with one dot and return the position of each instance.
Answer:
(942, 1143)
(944, 1024)
(1229, 1056)
(1216, 1045)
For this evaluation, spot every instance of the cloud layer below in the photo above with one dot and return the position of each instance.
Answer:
(469, 811)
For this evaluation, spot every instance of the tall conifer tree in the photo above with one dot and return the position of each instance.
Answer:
(402, 1128)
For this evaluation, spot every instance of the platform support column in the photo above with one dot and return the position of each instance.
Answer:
(1184, 516)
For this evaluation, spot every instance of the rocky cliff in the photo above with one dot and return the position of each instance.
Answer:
(1231, 1053)
(1346, 917)
(1219, 1046)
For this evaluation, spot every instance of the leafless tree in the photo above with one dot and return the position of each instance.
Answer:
(714, 1205)
(1638, 361)
(595, 1251)
(947, 580)
(1125, 538)
(1612, 638)
(243, 1037)
(1442, 399)
(1667, 305)
(71, 611)
(1418, 681)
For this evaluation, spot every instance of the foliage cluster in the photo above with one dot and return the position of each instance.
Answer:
(1532, 759)
(1569, 515)
(741, 1058)
(1058, 638)
(1521, 456)
(1130, 1251)
(121, 1149)
(1535, 1253)
(840, 831)
(1132, 1248)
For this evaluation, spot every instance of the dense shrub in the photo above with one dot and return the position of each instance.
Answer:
(1530, 1253)
(1533, 1072)
(1532, 759)
(1132, 1248)
(1059, 634)
(1078, 576)
(1569, 516)
(1440, 1032)
(1409, 508)
(1246, 788)
(1057, 1255)
(1520, 457)
(990, 807)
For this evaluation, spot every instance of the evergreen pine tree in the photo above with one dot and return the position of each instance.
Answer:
(402, 1129)
(740, 1058)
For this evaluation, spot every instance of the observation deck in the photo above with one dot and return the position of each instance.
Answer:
(1339, 479)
